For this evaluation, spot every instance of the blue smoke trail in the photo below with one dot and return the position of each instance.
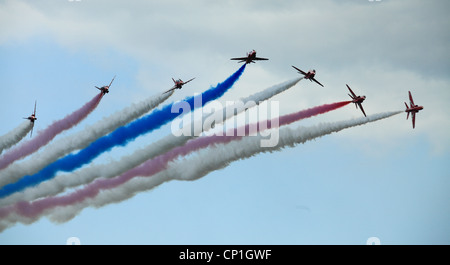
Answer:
(120, 137)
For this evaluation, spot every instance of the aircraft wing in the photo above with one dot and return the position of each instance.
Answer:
(240, 58)
(174, 87)
(260, 59)
(407, 115)
(316, 81)
(414, 119)
(111, 81)
(360, 105)
(351, 91)
(411, 99)
(189, 80)
(34, 112)
(299, 70)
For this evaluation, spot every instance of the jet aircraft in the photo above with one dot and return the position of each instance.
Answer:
(358, 100)
(178, 84)
(32, 118)
(309, 75)
(251, 57)
(105, 89)
(413, 109)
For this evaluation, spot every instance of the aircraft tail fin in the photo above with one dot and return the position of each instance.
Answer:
(407, 115)
(407, 108)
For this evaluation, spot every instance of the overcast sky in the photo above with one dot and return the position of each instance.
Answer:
(384, 179)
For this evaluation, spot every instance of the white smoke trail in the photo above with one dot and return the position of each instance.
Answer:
(115, 168)
(197, 166)
(79, 140)
(14, 136)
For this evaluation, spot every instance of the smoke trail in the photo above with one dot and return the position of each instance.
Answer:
(80, 140)
(119, 137)
(115, 168)
(48, 134)
(14, 136)
(206, 161)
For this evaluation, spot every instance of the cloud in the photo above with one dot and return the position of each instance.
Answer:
(13, 25)
(331, 33)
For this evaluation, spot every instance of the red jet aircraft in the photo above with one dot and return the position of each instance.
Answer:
(105, 89)
(178, 84)
(413, 109)
(32, 118)
(357, 100)
(251, 57)
(309, 75)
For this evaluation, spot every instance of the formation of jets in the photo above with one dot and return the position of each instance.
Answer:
(251, 58)
(358, 100)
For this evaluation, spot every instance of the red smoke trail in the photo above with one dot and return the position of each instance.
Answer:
(148, 168)
(293, 117)
(45, 136)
